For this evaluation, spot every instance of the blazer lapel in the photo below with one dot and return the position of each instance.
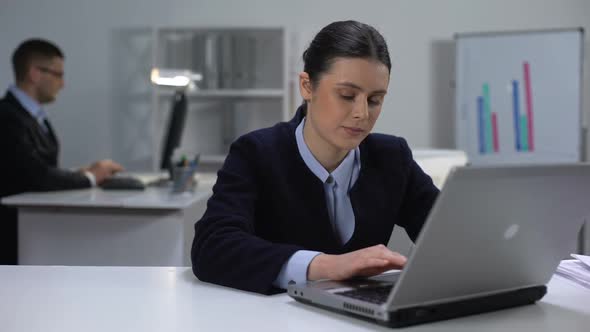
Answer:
(46, 141)
(50, 132)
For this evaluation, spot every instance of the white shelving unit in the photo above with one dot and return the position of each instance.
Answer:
(245, 85)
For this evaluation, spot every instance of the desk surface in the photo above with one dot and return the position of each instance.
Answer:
(151, 198)
(63, 299)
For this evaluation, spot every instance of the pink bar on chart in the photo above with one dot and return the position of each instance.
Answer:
(495, 132)
(529, 104)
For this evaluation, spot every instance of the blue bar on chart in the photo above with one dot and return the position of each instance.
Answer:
(481, 125)
(516, 111)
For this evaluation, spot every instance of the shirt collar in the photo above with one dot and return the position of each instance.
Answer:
(342, 174)
(30, 104)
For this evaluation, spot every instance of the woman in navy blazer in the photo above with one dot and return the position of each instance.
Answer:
(316, 197)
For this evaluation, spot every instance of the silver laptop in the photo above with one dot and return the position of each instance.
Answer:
(492, 240)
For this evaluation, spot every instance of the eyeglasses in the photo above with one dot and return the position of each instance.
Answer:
(53, 72)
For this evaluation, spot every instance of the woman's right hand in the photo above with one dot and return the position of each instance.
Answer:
(365, 262)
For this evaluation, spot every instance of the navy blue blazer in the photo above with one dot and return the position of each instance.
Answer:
(267, 204)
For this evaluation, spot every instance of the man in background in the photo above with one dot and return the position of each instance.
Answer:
(28, 144)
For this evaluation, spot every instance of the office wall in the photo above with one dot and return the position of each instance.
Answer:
(418, 106)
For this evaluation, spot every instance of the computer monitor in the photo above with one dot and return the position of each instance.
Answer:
(173, 134)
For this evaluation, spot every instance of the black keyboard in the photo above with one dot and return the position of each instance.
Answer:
(373, 294)
(122, 183)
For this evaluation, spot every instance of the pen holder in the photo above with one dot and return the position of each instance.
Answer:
(183, 179)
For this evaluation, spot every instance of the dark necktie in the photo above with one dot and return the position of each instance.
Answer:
(47, 129)
(44, 125)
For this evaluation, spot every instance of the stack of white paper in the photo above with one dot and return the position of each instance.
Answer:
(577, 270)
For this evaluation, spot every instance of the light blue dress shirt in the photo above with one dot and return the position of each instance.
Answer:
(336, 187)
(30, 104)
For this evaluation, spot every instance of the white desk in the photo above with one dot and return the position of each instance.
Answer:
(98, 227)
(72, 299)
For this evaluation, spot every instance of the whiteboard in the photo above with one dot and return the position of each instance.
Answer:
(518, 96)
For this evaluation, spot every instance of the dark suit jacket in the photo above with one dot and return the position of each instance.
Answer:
(30, 155)
(29, 163)
(267, 204)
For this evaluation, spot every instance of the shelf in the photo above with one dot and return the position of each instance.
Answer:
(243, 85)
(230, 93)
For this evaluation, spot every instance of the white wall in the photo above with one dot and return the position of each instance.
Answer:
(419, 104)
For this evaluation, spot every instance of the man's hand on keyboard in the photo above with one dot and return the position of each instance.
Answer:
(103, 169)
(361, 263)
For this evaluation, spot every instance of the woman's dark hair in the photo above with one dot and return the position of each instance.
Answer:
(346, 39)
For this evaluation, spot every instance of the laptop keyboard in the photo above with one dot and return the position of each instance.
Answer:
(377, 294)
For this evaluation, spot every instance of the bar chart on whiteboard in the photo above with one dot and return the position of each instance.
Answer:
(518, 97)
